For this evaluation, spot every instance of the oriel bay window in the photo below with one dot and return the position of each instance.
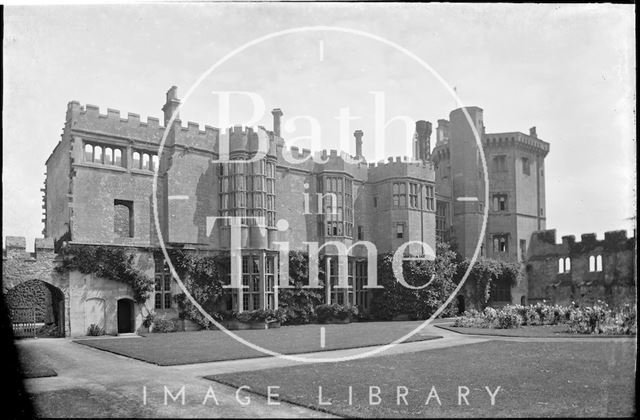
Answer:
(247, 190)
(337, 204)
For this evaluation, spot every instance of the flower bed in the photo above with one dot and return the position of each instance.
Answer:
(596, 319)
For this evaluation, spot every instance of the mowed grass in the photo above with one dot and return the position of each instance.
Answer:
(540, 331)
(537, 379)
(211, 346)
(34, 364)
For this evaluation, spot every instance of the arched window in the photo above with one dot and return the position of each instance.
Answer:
(599, 263)
(117, 157)
(145, 161)
(108, 156)
(592, 263)
(561, 265)
(136, 160)
(88, 153)
(97, 154)
(154, 162)
(567, 264)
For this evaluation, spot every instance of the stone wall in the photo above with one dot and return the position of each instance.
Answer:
(615, 283)
(19, 266)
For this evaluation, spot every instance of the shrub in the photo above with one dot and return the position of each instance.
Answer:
(95, 330)
(395, 299)
(162, 325)
(596, 319)
(148, 320)
(508, 318)
(258, 315)
(297, 305)
(474, 319)
(326, 312)
(202, 276)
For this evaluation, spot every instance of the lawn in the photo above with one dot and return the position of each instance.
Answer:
(540, 331)
(537, 379)
(560, 330)
(211, 346)
(34, 364)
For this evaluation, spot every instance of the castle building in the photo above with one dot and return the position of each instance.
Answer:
(99, 190)
(516, 207)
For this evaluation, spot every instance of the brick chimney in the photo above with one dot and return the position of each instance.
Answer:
(532, 132)
(423, 131)
(171, 105)
(277, 114)
(358, 135)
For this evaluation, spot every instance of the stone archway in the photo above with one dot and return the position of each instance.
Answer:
(38, 305)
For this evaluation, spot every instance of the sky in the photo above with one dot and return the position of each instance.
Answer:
(566, 69)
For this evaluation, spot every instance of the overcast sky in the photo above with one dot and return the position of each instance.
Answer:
(566, 69)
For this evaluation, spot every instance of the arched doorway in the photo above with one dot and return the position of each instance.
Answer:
(125, 316)
(523, 301)
(36, 309)
(461, 305)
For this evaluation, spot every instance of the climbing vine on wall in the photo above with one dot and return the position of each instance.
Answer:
(487, 271)
(31, 294)
(203, 276)
(110, 263)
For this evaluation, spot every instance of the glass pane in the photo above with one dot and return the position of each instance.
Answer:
(88, 153)
(117, 157)
(154, 162)
(108, 156)
(97, 154)
(145, 161)
(136, 160)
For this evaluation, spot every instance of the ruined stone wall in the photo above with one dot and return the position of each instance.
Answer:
(615, 283)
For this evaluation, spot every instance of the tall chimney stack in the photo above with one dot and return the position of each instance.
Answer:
(423, 130)
(532, 132)
(277, 113)
(358, 135)
(171, 105)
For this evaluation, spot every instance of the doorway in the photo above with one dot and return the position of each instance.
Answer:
(125, 316)
(461, 305)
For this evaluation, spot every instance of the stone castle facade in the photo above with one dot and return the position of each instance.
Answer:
(99, 190)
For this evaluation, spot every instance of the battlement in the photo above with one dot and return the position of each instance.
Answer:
(133, 120)
(89, 118)
(516, 139)
(296, 153)
(396, 161)
(16, 247)
(544, 242)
